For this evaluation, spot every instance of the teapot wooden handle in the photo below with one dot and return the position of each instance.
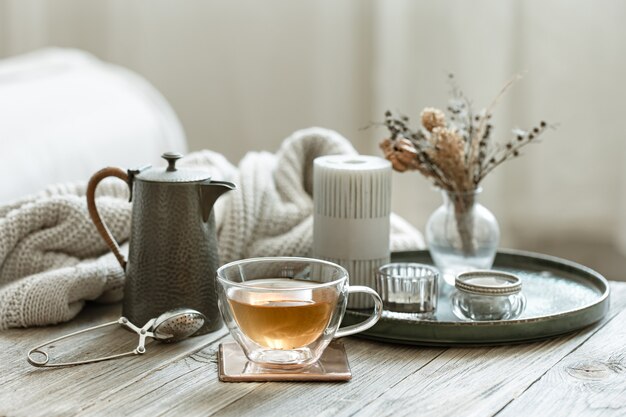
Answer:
(93, 210)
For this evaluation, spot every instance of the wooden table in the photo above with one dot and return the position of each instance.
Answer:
(579, 374)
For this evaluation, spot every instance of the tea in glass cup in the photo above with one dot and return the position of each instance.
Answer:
(283, 312)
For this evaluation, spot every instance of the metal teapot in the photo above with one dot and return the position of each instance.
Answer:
(173, 252)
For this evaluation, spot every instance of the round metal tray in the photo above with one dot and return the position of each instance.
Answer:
(562, 297)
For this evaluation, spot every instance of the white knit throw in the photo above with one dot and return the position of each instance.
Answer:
(52, 259)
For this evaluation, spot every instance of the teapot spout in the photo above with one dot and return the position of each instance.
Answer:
(210, 191)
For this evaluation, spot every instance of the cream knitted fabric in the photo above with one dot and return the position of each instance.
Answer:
(52, 259)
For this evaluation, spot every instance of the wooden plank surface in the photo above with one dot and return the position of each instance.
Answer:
(590, 381)
(181, 379)
(30, 391)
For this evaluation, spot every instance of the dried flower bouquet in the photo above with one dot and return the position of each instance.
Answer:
(455, 152)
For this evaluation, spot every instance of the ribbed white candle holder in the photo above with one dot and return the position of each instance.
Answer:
(352, 204)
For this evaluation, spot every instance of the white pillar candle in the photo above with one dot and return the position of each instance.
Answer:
(352, 204)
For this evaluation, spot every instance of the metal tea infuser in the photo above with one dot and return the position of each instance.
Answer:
(171, 326)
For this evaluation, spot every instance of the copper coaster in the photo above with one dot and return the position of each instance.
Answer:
(235, 367)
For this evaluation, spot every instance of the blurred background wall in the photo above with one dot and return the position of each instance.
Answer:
(242, 75)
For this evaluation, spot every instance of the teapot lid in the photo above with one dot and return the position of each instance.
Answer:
(171, 173)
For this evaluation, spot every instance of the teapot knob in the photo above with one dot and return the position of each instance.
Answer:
(171, 158)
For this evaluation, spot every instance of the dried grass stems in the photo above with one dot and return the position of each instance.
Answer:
(455, 152)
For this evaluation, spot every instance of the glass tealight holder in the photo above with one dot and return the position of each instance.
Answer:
(408, 288)
(487, 296)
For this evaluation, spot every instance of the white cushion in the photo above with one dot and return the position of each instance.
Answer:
(65, 114)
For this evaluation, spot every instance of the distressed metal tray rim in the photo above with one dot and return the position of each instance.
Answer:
(535, 255)
(592, 279)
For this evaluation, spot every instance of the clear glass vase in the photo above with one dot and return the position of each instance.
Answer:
(462, 235)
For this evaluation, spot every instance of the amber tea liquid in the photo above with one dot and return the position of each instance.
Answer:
(284, 319)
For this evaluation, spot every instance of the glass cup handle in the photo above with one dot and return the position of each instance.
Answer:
(372, 320)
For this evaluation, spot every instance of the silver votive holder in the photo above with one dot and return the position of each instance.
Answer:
(408, 287)
(488, 295)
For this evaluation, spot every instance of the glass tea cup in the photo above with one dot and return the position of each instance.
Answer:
(283, 312)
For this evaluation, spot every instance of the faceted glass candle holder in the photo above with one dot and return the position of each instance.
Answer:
(488, 295)
(408, 287)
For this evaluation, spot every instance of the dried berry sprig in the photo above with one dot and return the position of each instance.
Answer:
(511, 149)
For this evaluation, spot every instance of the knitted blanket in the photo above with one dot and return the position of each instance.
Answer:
(52, 259)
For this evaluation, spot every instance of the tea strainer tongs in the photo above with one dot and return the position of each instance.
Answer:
(171, 326)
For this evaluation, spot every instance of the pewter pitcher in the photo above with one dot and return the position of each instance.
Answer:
(173, 252)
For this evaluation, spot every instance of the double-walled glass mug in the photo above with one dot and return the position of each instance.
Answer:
(283, 312)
